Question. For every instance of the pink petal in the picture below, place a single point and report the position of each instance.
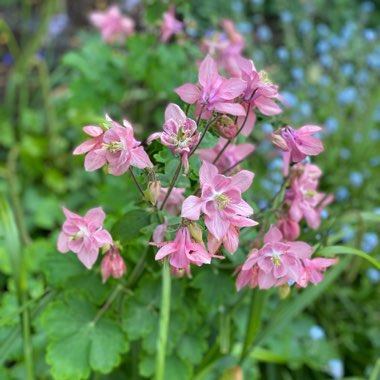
(69, 214)
(217, 225)
(300, 249)
(309, 129)
(267, 106)
(95, 217)
(243, 180)
(93, 130)
(154, 136)
(62, 243)
(242, 208)
(231, 241)
(95, 160)
(89, 257)
(102, 238)
(249, 123)
(208, 72)
(174, 112)
(231, 88)
(191, 207)
(310, 146)
(86, 146)
(230, 108)
(207, 173)
(165, 250)
(251, 260)
(213, 244)
(189, 93)
(274, 235)
(140, 159)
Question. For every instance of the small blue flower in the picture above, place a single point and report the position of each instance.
(356, 179)
(7, 59)
(291, 282)
(348, 30)
(335, 368)
(267, 128)
(58, 24)
(297, 73)
(376, 114)
(377, 211)
(286, 17)
(374, 161)
(331, 125)
(237, 6)
(289, 98)
(316, 332)
(244, 27)
(305, 26)
(324, 80)
(337, 42)
(342, 193)
(324, 214)
(326, 60)
(298, 53)
(257, 2)
(262, 204)
(367, 7)
(369, 34)
(322, 47)
(348, 233)
(348, 95)
(282, 53)
(305, 109)
(373, 60)
(345, 153)
(264, 33)
(347, 69)
(275, 164)
(362, 76)
(375, 134)
(323, 30)
(373, 275)
(370, 241)
(258, 55)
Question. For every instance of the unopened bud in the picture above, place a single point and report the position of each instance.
(195, 232)
(278, 140)
(284, 291)
(226, 127)
(152, 192)
(177, 272)
(113, 265)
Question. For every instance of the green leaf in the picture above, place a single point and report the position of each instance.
(78, 343)
(191, 348)
(342, 250)
(129, 226)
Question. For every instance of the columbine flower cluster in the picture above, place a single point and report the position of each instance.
(214, 212)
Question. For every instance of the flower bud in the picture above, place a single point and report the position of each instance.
(195, 232)
(289, 228)
(226, 127)
(152, 192)
(278, 140)
(113, 265)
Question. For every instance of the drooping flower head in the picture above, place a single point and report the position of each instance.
(276, 263)
(232, 155)
(220, 201)
(213, 92)
(84, 235)
(174, 202)
(313, 270)
(170, 25)
(116, 147)
(182, 251)
(113, 26)
(113, 264)
(180, 133)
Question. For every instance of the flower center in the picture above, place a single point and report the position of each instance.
(276, 260)
(264, 77)
(114, 146)
(222, 201)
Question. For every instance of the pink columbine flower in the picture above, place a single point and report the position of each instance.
(112, 265)
(276, 263)
(288, 227)
(174, 203)
(170, 25)
(84, 235)
(220, 201)
(296, 144)
(302, 197)
(180, 133)
(182, 251)
(112, 24)
(116, 147)
(231, 156)
(213, 92)
(313, 270)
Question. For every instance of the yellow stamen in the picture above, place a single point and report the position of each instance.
(222, 201)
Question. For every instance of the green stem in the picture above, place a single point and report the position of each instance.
(254, 320)
(203, 135)
(164, 322)
(136, 182)
(172, 183)
(108, 303)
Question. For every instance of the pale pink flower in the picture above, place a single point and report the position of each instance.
(276, 263)
(302, 197)
(297, 144)
(159, 232)
(113, 26)
(180, 133)
(231, 156)
(173, 204)
(170, 25)
(112, 265)
(213, 92)
(220, 201)
(182, 251)
(230, 241)
(313, 270)
(288, 227)
(84, 235)
(116, 147)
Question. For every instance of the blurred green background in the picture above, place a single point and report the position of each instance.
(56, 75)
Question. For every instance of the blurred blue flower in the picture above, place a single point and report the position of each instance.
(331, 125)
(324, 80)
(305, 26)
(262, 204)
(370, 241)
(356, 179)
(348, 30)
(282, 53)
(307, 159)
(129, 5)
(324, 214)
(257, 2)
(348, 95)
(237, 6)
(369, 34)
(291, 282)
(297, 73)
(376, 114)
(58, 24)
(289, 98)
(264, 33)
(305, 109)
(335, 368)
(362, 76)
(347, 69)
(342, 194)
(298, 53)
(258, 55)
(358, 137)
(276, 177)
(7, 59)
(322, 47)
(326, 60)
(244, 27)
(316, 332)
(377, 210)
(345, 153)
(374, 161)
(337, 42)
(275, 164)
(367, 6)
(373, 60)
(323, 30)
(373, 275)
(286, 16)
(375, 134)
(348, 233)
(267, 128)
